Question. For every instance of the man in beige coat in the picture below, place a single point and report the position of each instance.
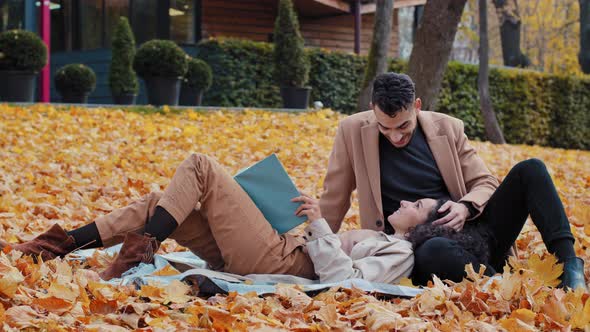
(355, 162)
(397, 152)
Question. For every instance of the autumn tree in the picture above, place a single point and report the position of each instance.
(378, 61)
(584, 55)
(550, 33)
(510, 28)
(432, 47)
(492, 128)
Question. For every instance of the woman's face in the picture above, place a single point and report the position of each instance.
(411, 214)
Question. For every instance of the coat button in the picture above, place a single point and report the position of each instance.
(379, 223)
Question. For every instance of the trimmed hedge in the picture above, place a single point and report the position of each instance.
(532, 107)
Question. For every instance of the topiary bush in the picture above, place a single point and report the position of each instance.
(22, 50)
(160, 58)
(75, 78)
(122, 79)
(199, 75)
(290, 60)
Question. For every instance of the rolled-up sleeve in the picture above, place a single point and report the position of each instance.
(388, 262)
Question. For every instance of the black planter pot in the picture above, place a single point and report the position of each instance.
(128, 99)
(294, 97)
(17, 86)
(190, 97)
(162, 90)
(69, 97)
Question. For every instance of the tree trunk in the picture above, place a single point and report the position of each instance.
(584, 56)
(432, 47)
(493, 131)
(378, 61)
(510, 26)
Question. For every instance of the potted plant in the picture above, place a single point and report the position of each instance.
(161, 64)
(197, 80)
(22, 55)
(74, 82)
(291, 62)
(122, 79)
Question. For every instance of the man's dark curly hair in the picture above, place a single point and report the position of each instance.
(469, 238)
(393, 92)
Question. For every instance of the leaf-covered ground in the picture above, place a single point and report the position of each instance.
(71, 165)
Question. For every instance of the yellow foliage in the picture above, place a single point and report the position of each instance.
(550, 33)
(72, 165)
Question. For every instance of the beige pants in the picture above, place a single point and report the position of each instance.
(217, 221)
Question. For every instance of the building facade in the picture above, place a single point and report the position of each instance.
(81, 30)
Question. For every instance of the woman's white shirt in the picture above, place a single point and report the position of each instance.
(380, 258)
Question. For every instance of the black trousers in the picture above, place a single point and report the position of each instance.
(527, 189)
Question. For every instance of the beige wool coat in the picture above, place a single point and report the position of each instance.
(354, 164)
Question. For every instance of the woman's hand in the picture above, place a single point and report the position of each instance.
(309, 208)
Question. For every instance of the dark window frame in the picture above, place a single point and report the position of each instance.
(163, 24)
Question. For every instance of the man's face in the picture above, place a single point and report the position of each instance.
(400, 128)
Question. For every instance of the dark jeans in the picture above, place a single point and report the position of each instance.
(527, 189)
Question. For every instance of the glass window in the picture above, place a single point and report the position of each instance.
(182, 23)
(61, 25)
(143, 20)
(90, 24)
(12, 14)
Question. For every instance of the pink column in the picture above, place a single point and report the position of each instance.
(45, 32)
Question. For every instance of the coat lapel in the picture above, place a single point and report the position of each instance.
(443, 154)
(370, 140)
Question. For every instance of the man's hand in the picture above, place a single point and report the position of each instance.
(310, 207)
(458, 213)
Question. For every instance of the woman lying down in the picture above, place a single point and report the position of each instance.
(205, 210)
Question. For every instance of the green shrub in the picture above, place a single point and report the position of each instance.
(335, 78)
(291, 62)
(570, 118)
(532, 107)
(122, 79)
(160, 58)
(75, 78)
(199, 75)
(22, 50)
(242, 76)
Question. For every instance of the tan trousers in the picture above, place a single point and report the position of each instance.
(217, 221)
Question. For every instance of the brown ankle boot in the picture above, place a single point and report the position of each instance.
(51, 244)
(136, 249)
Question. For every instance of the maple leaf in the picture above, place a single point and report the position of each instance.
(176, 292)
(22, 317)
(11, 279)
(53, 304)
(520, 320)
(546, 269)
(167, 270)
(98, 306)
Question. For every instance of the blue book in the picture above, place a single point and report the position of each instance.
(271, 189)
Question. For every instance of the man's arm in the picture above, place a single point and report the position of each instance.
(479, 181)
(338, 183)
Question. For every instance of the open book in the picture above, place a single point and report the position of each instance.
(270, 188)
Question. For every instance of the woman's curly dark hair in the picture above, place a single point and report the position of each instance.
(469, 238)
